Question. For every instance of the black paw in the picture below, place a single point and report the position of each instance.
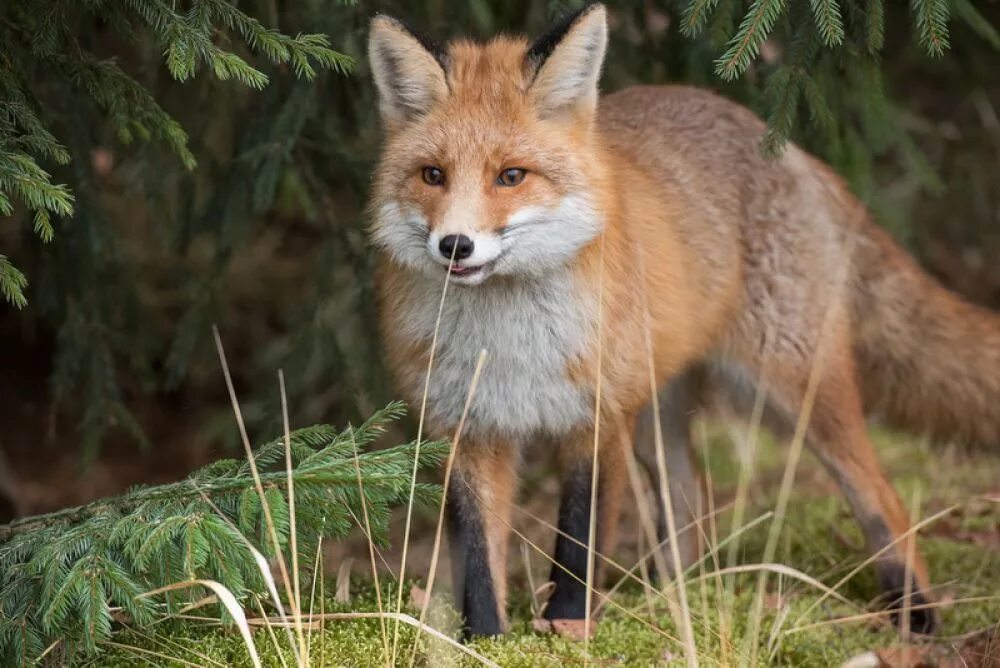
(923, 619)
(568, 601)
(481, 628)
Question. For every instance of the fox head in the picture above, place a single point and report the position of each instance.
(491, 164)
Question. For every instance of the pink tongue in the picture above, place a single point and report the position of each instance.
(455, 269)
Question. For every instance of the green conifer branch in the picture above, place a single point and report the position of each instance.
(786, 88)
(875, 25)
(63, 574)
(931, 17)
(828, 21)
(745, 44)
(12, 281)
(39, 33)
(694, 16)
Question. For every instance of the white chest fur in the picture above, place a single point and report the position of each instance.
(531, 332)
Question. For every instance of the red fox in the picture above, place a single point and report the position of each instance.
(599, 247)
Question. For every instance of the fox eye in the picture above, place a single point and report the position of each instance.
(433, 176)
(511, 177)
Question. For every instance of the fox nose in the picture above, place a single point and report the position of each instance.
(458, 245)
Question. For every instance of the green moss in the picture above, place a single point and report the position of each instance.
(819, 538)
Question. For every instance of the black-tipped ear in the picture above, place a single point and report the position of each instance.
(567, 61)
(409, 71)
(545, 44)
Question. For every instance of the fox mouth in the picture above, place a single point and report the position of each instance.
(463, 274)
(459, 270)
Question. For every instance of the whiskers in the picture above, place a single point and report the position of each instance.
(416, 230)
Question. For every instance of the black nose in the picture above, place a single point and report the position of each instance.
(458, 245)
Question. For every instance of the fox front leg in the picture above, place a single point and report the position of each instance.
(479, 500)
(569, 570)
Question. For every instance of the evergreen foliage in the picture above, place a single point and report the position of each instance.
(266, 235)
(71, 574)
(37, 38)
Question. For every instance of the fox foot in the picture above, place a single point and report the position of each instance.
(923, 617)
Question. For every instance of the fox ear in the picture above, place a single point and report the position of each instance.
(409, 72)
(567, 63)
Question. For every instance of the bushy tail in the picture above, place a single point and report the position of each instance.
(927, 359)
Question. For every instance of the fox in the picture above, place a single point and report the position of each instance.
(632, 255)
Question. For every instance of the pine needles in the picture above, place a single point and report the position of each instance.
(129, 287)
(70, 575)
(12, 282)
(37, 42)
(746, 43)
(930, 17)
(796, 28)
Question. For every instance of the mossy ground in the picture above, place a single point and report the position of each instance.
(819, 538)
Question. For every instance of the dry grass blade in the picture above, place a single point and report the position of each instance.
(405, 619)
(265, 506)
(262, 566)
(871, 559)
(416, 452)
(172, 644)
(48, 650)
(595, 463)
(142, 652)
(371, 551)
(687, 629)
(272, 586)
(883, 614)
(435, 553)
(228, 601)
(545, 555)
(646, 523)
(839, 284)
(910, 549)
(317, 576)
(749, 454)
(296, 602)
(343, 589)
(270, 632)
(386, 566)
(630, 573)
(780, 569)
(714, 545)
(536, 608)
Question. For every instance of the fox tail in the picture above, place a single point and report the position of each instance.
(927, 359)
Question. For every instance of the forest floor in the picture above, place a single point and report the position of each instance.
(793, 623)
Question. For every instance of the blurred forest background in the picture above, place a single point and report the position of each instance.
(108, 373)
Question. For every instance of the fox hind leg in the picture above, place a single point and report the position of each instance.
(837, 434)
(676, 408)
(884, 520)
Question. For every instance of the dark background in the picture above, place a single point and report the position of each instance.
(109, 376)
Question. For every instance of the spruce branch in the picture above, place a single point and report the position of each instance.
(64, 573)
(12, 281)
(694, 16)
(745, 44)
(931, 18)
(875, 25)
(40, 46)
(828, 21)
(787, 86)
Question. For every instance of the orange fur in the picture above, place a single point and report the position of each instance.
(708, 255)
(488, 473)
